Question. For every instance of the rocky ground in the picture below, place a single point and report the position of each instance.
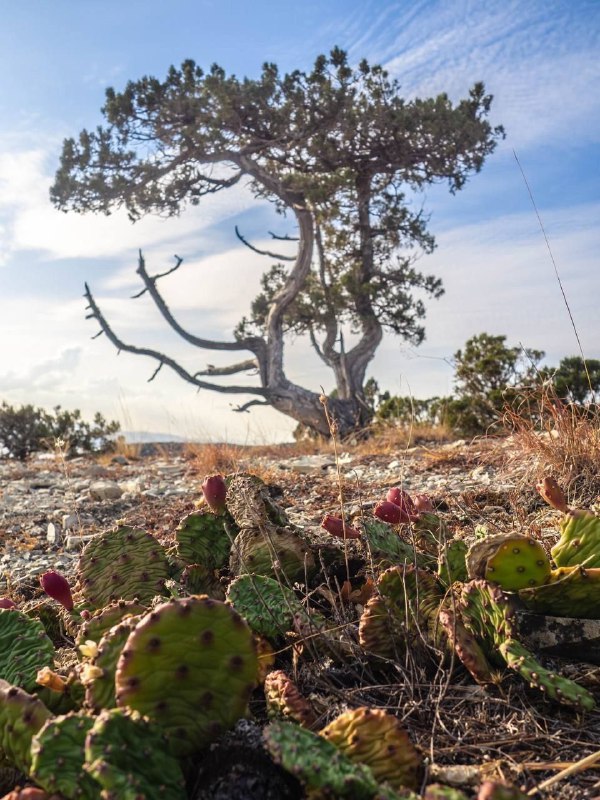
(50, 507)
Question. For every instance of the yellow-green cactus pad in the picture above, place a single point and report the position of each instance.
(21, 717)
(128, 757)
(190, 666)
(511, 560)
(100, 680)
(201, 538)
(24, 648)
(94, 628)
(126, 564)
(570, 592)
(377, 739)
(58, 756)
(579, 541)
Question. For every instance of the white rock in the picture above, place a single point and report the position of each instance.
(105, 490)
(69, 521)
(51, 536)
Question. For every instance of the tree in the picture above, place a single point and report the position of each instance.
(488, 376)
(575, 381)
(335, 149)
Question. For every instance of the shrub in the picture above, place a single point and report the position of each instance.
(27, 429)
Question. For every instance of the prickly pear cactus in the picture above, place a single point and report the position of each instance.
(372, 737)
(570, 592)
(250, 504)
(271, 551)
(436, 791)
(465, 645)
(387, 548)
(127, 756)
(267, 605)
(21, 717)
(488, 614)
(94, 628)
(126, 564)
(99, 677)
(190, 666)
(579, 542)
(399, 613)
(284, 700)
(197, 579)
(58, 755)
(431, 532)
(511, 560)
(318, 764)
(202, 538)
(452, 562)
(24, 648)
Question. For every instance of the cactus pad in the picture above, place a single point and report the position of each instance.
(198, 579)
(284, 699)
(452, 563)
(268, 606)
(372, 737)
(21, 717)
(570, 592)
(431, 532)
(24, 648)
(102, 621)
(436, 791)
(201, 538)
(100, 690)
(387, 548)
(579, 541)
(126, 563)
(511, 560)
(58, 755)
(126, 754)
(190, 665)
(318, 764)
(465, 646)
(271, 551)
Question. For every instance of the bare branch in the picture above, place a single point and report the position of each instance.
(278, 256)
(286, 238)
(249, 404)
(241, 366)
(161, 357)
(178, 263)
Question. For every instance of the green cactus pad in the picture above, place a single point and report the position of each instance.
(431, 533)
(250, 504)
(21, 717)
(267, 605)
(271, 551)
(399, 614)
(197, 579)
(511, 560)
(436, 791)
(561, 689)
(284, 700)
(128, 757)
(452, 562)
(201, 538)
(387, 548)
(579, 541)
(465, 645)
(102, 621)
(100, 692)
(376, 739)
(24, 648)
(126, 564)
(58, 755)
(318, 764)
(190, 665)
(570, 592)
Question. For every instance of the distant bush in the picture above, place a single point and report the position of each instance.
(28, 429)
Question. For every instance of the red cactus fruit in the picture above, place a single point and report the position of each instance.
(401, 498)
(57, 587)
(215, 491)
(336, 527)
(6, 602)
(390, 512)
(423, 504)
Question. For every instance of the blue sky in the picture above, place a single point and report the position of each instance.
(541, 60)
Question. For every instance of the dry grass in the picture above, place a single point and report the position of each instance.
(550, 437)
(387, 438)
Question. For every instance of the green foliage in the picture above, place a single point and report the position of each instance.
(26, 429)
(571, 382)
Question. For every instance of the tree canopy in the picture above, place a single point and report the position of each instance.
(336, 150)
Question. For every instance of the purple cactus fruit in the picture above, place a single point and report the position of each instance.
(423, 504)
(215, 490)
(336, 527)
(401, 498)
(57, 587)
(6, 602)
(390, 512)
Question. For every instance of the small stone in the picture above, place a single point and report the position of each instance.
(70, 521)
(51, 536)
(105, 490)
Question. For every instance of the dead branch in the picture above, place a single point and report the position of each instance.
(286, 238)
(162, 359)
(178, 263)
(249, 404)
(241, 366)
(278, 256)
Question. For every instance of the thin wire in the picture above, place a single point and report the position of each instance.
(537, 213)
